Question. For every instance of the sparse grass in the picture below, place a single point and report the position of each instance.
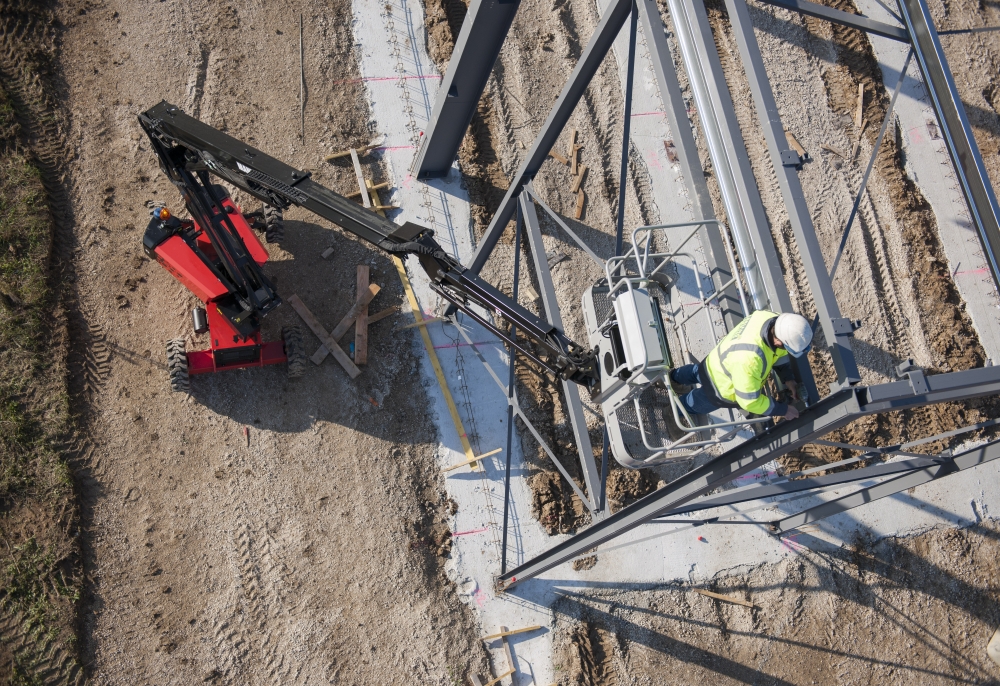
(39, 579)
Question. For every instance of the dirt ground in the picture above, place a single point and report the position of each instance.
(261, 530)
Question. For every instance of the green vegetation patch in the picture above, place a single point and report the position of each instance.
(39, 560)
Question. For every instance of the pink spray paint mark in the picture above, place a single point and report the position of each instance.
(648, 114)
(653, 160)
(916, 135)
(395, 147)
(408, 181)
(470, 532)
(982, 270)
(480, 597)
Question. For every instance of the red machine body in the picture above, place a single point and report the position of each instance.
(228, 347)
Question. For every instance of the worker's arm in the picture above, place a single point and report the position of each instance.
(748, 382)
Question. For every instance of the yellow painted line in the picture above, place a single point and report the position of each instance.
(470, 456)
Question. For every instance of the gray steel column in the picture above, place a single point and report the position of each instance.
(588, 64)
(958, 135)
(730, 162)
(687, 154)
(837, 330)
(831, 413)
(476, 51)
(571, 391)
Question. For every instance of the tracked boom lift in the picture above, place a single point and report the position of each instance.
(217, 256)
(631, 321)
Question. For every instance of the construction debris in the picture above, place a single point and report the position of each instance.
(422, 322)
(578, 181)
(326, 253)
(725, 598)
(793, 142)
(557, 157)
(555, 257)
(581, 200)
(328, 341)
(668, 145)
(361, 320)
(839, 153)
(342, 327)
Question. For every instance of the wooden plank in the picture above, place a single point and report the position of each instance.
(365, 200)
(345, 323)
(578, 181)
(477, 458)
(574, 160)
(379, 316)
(793, 142)
(377, 186)
(572, 144)
(859, 113)
(345, 153)
(557, 157)
(511, 633)
(668, 145)
(581, 200)
(857, 143)
(499, 678)
(361, 320)
(839, 153)
(328, 341)
(726, 598)
(507, 650)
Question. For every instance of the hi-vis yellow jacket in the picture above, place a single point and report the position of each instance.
(739, 365)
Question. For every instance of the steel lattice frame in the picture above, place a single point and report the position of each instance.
(755, 247)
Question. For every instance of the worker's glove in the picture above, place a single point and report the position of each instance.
(791, 413)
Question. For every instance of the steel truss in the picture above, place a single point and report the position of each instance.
(759, 266)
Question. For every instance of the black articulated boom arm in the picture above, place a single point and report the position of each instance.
(188, 147)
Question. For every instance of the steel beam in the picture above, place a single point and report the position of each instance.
(710, 235)
(571, 391)
(831, 413)
(588, 64)
(957, 133)
(838, 331)
(730, 162)
(967, 460)
(476, 51)
(855, 21)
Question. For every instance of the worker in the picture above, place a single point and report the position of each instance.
(734, 373)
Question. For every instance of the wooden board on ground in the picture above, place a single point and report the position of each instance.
(328, 341)
(472, 460)
(507, 649)
(362, 185)
(793, 142)
(578, 181)
(361, 320)
(581, 200)
(345, 324)
(502, 633)
(859, 113)
(726, 598)
(557, 157)
(345, 153)
(379, 316)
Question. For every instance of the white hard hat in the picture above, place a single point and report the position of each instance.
(794, 332)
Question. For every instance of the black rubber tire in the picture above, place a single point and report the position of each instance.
(295, 351)
(177, 366)
(274, 224)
